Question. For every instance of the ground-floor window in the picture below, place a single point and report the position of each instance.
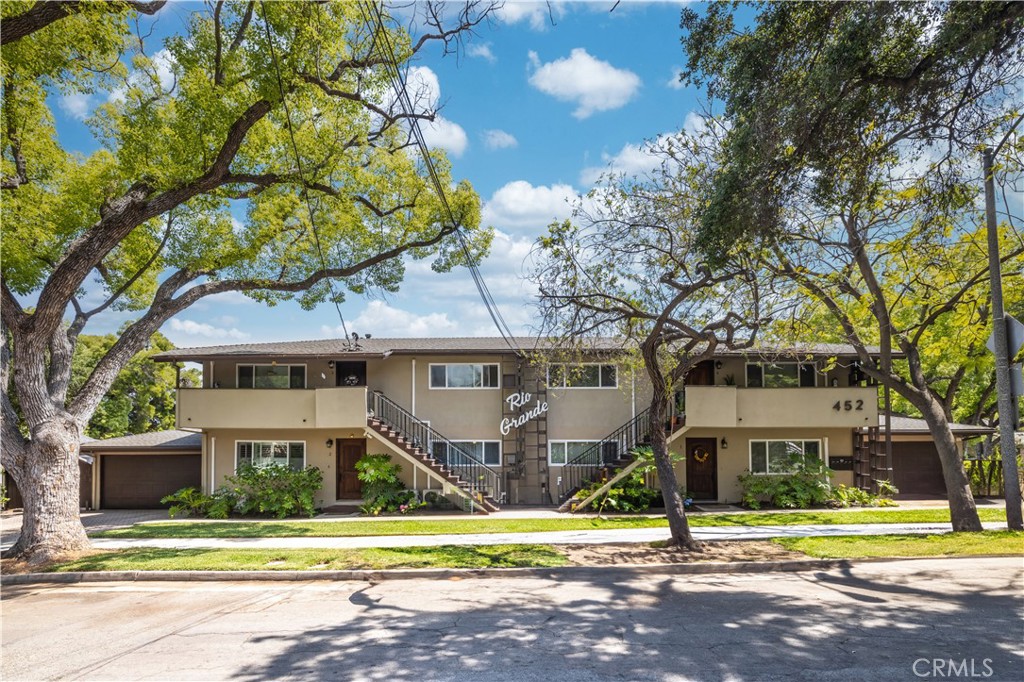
(486, 451)
(262, 452)
(781, 456)
(562, 452)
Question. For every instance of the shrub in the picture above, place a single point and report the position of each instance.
(807, 486)
(188, 502)
(631, 494)
(843, 496)
(383, 490)
(273, 490)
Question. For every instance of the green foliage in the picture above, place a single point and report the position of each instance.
(272, 490)
(845, 496)
(142, 397)
(807, 486)
(383, 490)
(630, 495)
(814, 89)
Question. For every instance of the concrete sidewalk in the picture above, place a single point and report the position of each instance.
(576, 537)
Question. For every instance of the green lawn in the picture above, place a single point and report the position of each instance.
(421, 526)
(448, 556)
(947, 544)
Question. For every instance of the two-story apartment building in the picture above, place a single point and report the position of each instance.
(470, 414)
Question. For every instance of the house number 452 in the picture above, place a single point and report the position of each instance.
(847, 405)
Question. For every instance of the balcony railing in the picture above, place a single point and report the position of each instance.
(477, 476)
(584, 467)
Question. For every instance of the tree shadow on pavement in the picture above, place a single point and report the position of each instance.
(609, 626)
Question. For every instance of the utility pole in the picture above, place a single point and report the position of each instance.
(1007, 408)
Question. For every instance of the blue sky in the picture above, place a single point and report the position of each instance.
(542, 101)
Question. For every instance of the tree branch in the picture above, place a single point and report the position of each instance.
(43, 13)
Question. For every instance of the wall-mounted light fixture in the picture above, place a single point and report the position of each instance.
(718, 364)
(835, 382)
(330, 364)
(330, 442)
(725, 443)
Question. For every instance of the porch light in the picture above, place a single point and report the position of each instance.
(330, 442)
(718, 364)
(725, 443)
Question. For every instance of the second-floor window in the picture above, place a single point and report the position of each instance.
(271, 376)
(781, 374)
(464, 375)
(582, 376)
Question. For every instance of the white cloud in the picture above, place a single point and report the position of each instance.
(498, 139)
(201, 329)
(521, 207)
(673, 81)
(632, 159)
(483, 51)
(77, 105)
(425, 92)
(537, 14)
(445, 134)
(594, 85)
(381, 319)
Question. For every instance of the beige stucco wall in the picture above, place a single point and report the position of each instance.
(735, 459)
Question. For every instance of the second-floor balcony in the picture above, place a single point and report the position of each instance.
(730, 406)
(247, 408)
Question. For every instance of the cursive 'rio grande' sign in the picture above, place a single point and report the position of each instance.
(517, 401)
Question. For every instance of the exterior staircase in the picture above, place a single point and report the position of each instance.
(614, 451)
(477, 484)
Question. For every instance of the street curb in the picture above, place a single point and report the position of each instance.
(562, 572)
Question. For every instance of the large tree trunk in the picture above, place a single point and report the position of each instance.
(678, 526)
(49, 485)
(963, 514)
(962, 511)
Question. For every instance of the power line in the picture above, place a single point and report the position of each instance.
(402, 94)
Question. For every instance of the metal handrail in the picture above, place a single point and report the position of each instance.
(477, 476)
(582, 469)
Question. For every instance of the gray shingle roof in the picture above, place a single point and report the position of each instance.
(337, 348)
(157, 440)
(904, 424)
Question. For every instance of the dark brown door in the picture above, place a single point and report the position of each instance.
(350, 451)
(701, 375)
(139, 481)
(702, 468)
(916, 469)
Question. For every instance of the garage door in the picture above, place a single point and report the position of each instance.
(139, 481)
(916, 469)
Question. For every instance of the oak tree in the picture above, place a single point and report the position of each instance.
(261, 151)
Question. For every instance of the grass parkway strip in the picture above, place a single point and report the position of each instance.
(532, 556)
(362, 528)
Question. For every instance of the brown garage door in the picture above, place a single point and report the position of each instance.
(139, 481)
(916, 469)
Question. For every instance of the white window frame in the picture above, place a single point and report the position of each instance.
(565, 373)
(762, 364)
(432, 387)
(289, 365)
(272, 442)
(822, 452)
(551, 462)
(483, 454)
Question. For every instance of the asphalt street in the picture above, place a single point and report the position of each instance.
(874, 621)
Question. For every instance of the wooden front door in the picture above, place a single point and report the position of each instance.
(350, 451)
(702, 468)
